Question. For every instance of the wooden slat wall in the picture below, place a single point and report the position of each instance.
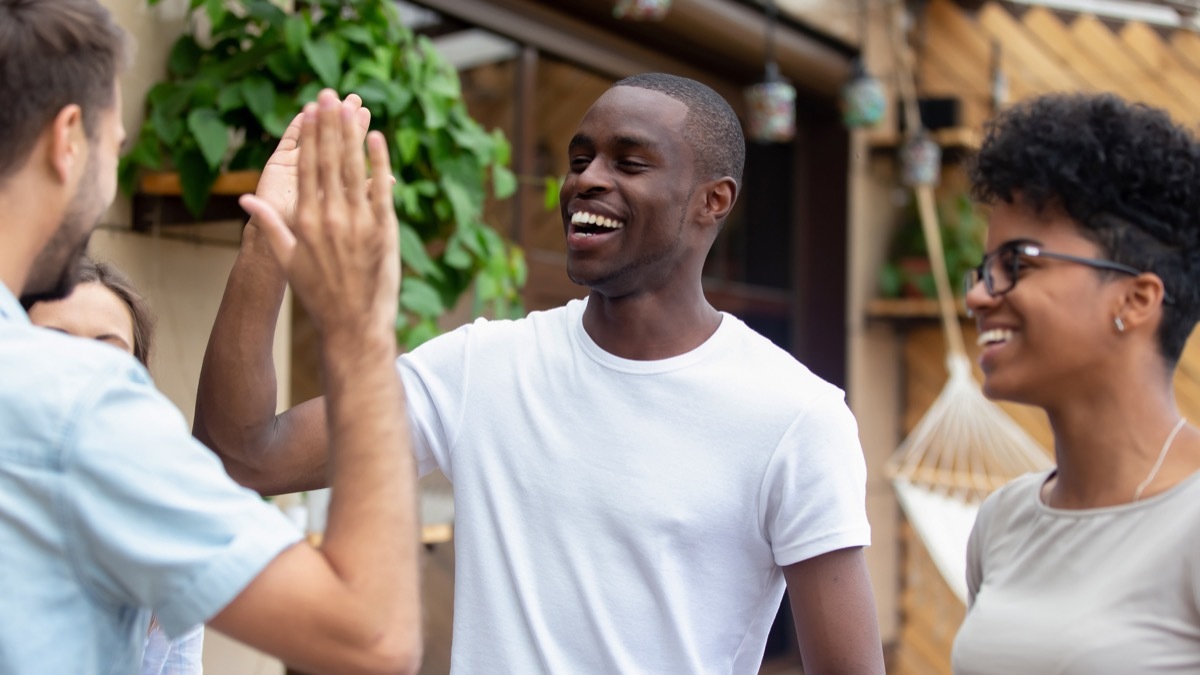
(1041, 52)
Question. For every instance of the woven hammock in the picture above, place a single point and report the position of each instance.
(964, 446)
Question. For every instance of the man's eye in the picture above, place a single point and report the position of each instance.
(580, 163)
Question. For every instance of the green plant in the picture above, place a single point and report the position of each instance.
(230, 93)
(908, 272)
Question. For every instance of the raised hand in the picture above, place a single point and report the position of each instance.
(277, 184)
(340, 251)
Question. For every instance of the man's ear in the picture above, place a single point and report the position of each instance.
(719, 197)
(67, 142)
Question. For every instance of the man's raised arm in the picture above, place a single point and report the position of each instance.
(236, 399)
(351, 606)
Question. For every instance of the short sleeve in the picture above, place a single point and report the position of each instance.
(814, 490)
(435, 383)
(154, 520)
(976, 546)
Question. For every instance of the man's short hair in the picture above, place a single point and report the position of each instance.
(711, 126)
(53, 53)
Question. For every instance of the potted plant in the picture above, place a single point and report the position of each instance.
(246, 67)
(908, 272)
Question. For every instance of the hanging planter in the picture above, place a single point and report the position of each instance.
(642, 10)
(772, 102)
(772, 109)
(920, 160)
(863, 98)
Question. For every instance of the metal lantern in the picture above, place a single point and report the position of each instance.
(772, 109)
(863, 98)
(920, 160)
(642, 10)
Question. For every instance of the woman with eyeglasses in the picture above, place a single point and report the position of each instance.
(1084, 301)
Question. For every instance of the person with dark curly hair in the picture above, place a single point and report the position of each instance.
(1084, 303)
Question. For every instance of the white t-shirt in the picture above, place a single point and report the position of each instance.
(618, 516)
(1083, 592)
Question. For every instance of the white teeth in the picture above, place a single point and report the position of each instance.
(994, 336)
(585, 218)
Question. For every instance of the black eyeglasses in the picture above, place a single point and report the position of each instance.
(1000, 269)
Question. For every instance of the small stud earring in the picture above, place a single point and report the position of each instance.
(1120, 324)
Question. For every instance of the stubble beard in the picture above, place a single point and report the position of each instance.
(55, 271)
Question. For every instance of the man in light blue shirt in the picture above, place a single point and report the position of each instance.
(109, 509)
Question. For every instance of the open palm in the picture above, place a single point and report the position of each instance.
(277, 184)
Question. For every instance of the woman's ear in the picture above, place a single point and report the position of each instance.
(1143, 300)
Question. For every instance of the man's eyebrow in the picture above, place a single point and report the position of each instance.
(639, 142)
(580, 139)
(624, 142)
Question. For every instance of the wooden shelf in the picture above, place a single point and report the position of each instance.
(167, 183)
(910, 308)
(950, 139)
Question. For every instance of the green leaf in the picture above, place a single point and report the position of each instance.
(276, 122)
(408, 142)
(284, 66)
(216, 11)
(374, 94)
(463, 207)
(552, 187)
(501, 147)
(260, 97)
(413, 253)
(420, 298)
(421, 333)
(168, 127)
(229, 98)
(323, 58)
(211, 135)
(295, 33)
(265, 11)
(504, 182)
(456, 255)
(355, 33)
(196, 177)
(308, 93)
(184, 57)
(434, 109)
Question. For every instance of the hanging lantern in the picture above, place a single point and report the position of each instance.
(863, 98)
(642, 10)
(772, 109)
(772, 102)
(920, 160)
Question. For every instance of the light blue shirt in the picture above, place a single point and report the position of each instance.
(109, 509)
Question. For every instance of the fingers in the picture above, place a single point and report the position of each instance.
(382, 180)
(280, 239)
(307, 202)
(329, 152)
(361, 115)
(291, 135)
(354, 175)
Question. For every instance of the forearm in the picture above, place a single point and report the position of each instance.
(236, 398)
(371, 535)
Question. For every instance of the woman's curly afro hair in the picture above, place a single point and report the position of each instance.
(1124, 171)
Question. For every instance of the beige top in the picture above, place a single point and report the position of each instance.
(1083, 592)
